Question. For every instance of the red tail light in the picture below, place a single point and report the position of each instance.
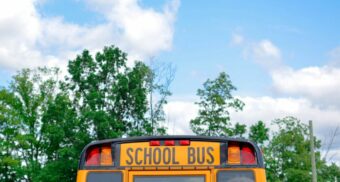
(184, 142)
(248, 155)
(155, 143)
(169, 142)
(93, 156)
(99, 156)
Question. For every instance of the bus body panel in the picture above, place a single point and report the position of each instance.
(82, 174)
(259, 173)
(151, 158)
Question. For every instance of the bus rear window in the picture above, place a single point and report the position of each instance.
(235, 176)
(104, 177)
(169, 179)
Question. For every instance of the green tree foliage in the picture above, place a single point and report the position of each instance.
(259, 133)
(215, 102)
(288, 154)
(110, 96)
(27, 100)
(45, 122)
(329, 172)
(9, 124)
(63, 137)
(140, 124)
(239, 130)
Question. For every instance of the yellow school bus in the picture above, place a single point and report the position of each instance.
(171, 159)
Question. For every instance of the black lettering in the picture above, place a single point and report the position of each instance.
(200, 157)
(157, 157)
(174, 156)
(191, 155)
(138, 162)
(147, 155)
(209, 152)
(128, 152)
(166, 156)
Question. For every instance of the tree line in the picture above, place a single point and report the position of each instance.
(286, 151)
(46, 118)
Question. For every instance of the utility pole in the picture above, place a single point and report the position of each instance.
(311, 137)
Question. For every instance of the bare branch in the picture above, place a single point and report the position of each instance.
(333, 135)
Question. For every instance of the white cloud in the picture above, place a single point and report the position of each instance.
(261, 108)
(266, 49)
(30, 40)
(264, 108)
(18, 33)
(237, 39)
(268, 108)
(179, 114)
(319, 84)
(306, 93)
(263, 52)
(141, 30)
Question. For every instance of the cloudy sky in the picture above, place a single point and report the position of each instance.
(284, 57)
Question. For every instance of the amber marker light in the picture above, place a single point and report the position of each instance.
(234, 156)
(105, 156)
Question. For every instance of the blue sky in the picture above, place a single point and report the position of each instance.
(284, 57)
(304, 31)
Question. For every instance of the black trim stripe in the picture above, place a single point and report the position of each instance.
(223, 153)
(117, 157)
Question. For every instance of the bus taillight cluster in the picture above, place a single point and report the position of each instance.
(241, 153)
(99, 156)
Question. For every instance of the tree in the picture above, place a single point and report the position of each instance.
(25, 102)
(45, 122)
(288, 154)
(215, 102)
(9, 158)
(97, 84)
(63, 137)
(138, 87)
(159, 79)
(329, 172)
(259, 133)
(239, 130)
(110, 96)
(39, 126)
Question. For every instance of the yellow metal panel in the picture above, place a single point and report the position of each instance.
(259, 173)
(82, 174)
(198, 153)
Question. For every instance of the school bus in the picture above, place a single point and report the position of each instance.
(171, 159)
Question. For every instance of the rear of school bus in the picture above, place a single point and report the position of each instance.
(171, 159)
